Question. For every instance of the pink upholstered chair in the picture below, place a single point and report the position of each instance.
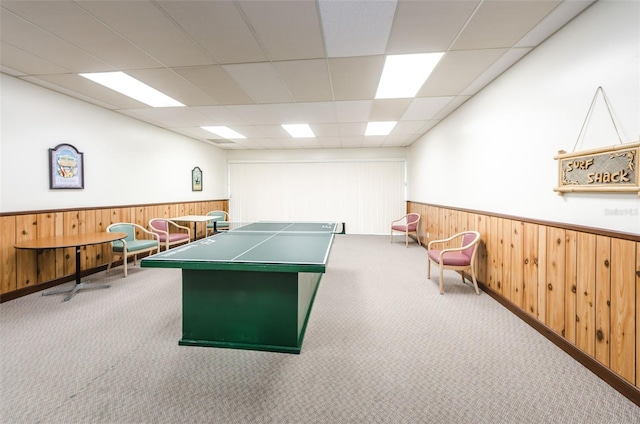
(167, 231)
(408, 224)
(459, 259)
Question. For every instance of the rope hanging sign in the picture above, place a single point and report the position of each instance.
(605, 169)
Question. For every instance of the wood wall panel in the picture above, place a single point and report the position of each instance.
(570, 287)
(530, 269)
(541, 284)
(603, 300)
(623, 311)
(582, 285)
(516, 264)
(7, 254)
(555, 282)
(586, 288)
(637, 280)
(22, 269)
(481, 256)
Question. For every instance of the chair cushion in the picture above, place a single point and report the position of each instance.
(402, 228)
(177, 237)
(450, 258)
(135, 245)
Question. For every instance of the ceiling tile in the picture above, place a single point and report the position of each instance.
(458, 69)
(428, 26)
(353, 111)
(355, 78)
(27, 63)
(217, 83)
(260, 81)
(219, 28)
(499, 24)
(326, 130)
(356, 27)
(503, 63)
(425, 108)
(553, 22)
(42, 44)
(146, 25)
(388, 109)
(275, 22)
(307, 80)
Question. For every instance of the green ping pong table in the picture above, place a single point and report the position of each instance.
(251, 287)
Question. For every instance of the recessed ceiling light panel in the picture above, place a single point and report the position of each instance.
(403, 75)
(131, 87)
(299, 130)
(224, 132)
(380, 128)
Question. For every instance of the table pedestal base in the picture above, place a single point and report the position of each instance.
(252, 310)
(76, 287)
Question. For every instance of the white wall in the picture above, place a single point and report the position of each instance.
(495, 153)
(126, 161)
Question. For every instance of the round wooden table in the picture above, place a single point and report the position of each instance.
(76, 241)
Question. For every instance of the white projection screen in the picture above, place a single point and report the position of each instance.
(366, 195)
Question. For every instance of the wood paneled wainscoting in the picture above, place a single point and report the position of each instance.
(28, 271)
(578, 286)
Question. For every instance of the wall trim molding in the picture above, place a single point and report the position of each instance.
(563, 225)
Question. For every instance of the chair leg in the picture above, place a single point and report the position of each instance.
(391, 236)
(406, 239)
(418, 237)
(473, 277)
(441, 278)
(428, 268)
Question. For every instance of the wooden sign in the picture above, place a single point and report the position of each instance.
(606, 169)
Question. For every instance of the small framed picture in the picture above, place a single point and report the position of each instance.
(66, 167)
(196, 179)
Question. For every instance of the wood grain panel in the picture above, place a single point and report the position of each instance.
(27, 260)
(516, 263)
(603, 300)
(91, 225)
(71, 225)
(637, 280)
(493, 253)
(555, 282)
(481, 227)
(586, 293)
(542, 273)
(46, 227)
(8, 281)
(505, 256)
(623, 308)
(530, 269)
(571, 245)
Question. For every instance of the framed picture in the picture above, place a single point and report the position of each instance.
(196, 179)
(66, 167)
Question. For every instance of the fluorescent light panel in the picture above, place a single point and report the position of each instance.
(403, 75)
(131, 87)
(299, 130)
(224, 132)
(380, 128)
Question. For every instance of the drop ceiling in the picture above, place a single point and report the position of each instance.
(255, 65)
